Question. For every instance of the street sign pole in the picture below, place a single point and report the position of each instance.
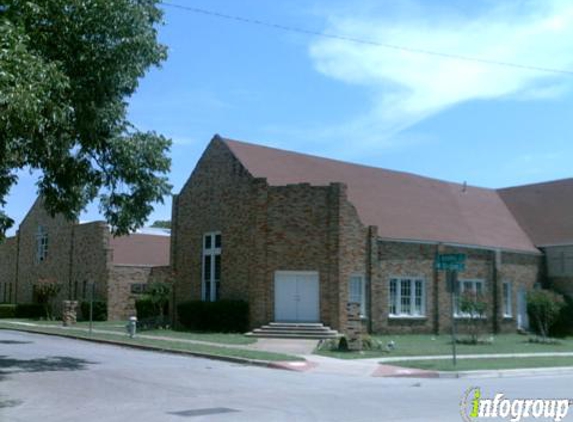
(453, 280)
(92, 291)
(451, 264)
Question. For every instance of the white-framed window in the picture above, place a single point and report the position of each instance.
(407, 297)
(41, 244)
(476, 287)
(211, 276)
(357, 292)
(507, 299)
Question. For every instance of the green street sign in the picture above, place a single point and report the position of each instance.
(451, 262)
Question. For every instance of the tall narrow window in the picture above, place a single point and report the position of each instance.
(357, 292)
(407, 297)
(507, 299)
(211, 267)
(41, 244)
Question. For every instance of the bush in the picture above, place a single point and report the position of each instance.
(45, 292)
(544, 307)
(7, 310)
(159, 293)
(228, 316)
(145, 308)
(474, 305)
(563, 326)
(30, 310)
(99, 310)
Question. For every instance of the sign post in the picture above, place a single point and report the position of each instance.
(92, 294)
(451, 264)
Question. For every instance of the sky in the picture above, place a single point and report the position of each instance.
(379, 102)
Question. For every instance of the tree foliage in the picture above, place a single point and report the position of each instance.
(45, 293)
(67, 68)
(161, 224)
(544, 307)
(474, 306)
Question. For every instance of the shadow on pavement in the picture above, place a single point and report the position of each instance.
(9, 403)
(10, 365)
(15, 342)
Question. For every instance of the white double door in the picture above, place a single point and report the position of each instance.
(296, 296)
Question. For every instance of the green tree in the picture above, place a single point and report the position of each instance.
(161, 224)
(474, 306)
(45, 293)
(159, 294)
(67, 68)
(544, 307)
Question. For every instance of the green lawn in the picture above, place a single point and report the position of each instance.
(428, 345)
(488, 364)
(119, 326)
(166, 345)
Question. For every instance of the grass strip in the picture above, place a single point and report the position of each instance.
(119, 327)
(488, 363)
(432, 345)
(163, 345)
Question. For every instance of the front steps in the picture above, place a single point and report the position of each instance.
(295, 330)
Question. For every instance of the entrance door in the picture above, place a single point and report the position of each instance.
(522, 318)
(296, 296)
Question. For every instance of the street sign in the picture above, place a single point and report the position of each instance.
(451, 262)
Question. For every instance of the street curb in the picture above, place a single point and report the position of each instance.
(232, 359)
(508, 373)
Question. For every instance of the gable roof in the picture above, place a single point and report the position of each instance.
(403, 206)
(544, 210)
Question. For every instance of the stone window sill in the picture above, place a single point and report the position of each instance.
(468, 317)
(408, 317)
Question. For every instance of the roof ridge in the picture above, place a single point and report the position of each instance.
(228, 141)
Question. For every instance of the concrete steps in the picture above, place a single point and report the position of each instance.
(294, 330)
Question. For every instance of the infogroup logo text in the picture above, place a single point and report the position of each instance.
(475, 407)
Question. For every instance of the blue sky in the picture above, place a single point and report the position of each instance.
(491, 126)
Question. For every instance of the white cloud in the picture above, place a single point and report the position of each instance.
(407, 87)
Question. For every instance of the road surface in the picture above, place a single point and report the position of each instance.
(51, 379)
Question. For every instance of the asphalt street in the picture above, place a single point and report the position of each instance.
(47, 379)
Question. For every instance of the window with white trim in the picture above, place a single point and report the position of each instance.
(475, 287)
(211, 267)
(41, 244)
(507, 299)
(357, 292)
(407, 297)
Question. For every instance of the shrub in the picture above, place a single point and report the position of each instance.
(145, 308)
(343, 345)
(221, 316)
(544, 307)
(45, 293)
(99, 310)
(159, 293)
(474, 305)
(30, 310)
(7, 310)
(563, 326)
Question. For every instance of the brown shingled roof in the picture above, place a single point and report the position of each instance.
(544, 210)
(141, 249)
(404, 206)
